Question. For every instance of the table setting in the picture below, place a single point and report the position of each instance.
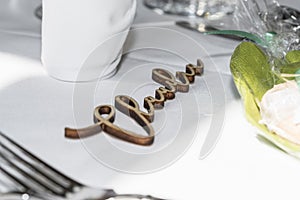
(149, 99)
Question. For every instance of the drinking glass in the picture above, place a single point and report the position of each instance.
(212, 9)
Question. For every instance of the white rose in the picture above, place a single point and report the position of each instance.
(280, 110)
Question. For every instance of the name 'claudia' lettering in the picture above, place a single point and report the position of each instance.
(130, 107)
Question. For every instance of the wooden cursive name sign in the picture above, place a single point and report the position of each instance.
(130, 107)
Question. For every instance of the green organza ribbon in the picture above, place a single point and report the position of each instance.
(263, 42)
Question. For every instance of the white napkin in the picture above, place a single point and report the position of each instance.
(18, 68)
(18, 17)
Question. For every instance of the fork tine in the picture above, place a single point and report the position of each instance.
(37, 170)
(15, 179)
(31, 177)
(68, 186)
(26, 152)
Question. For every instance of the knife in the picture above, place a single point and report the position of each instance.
(204, 28)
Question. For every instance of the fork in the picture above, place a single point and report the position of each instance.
(34, 178)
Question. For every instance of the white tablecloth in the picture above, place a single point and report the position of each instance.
(35, 108)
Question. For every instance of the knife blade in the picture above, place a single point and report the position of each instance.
(203, 28)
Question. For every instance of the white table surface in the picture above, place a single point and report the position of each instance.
(35, 108)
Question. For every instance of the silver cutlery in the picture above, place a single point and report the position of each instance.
(200, 27)
(35, 179)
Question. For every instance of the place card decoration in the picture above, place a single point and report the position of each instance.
(266, 71)
(131, 108)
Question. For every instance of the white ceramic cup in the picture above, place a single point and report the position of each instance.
(82, 40)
